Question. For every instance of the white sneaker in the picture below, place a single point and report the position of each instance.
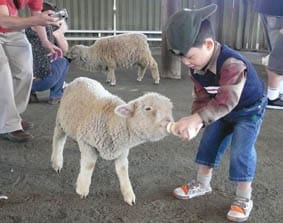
(65, 84)
(191, 190)
(3, 197)
(240, 210)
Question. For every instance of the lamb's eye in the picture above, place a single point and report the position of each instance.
(148, 108)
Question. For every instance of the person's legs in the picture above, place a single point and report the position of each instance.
(15, 79)
(215, 140)
(243, 159)
(274, 38)
(275, 75)
(54, 81)
(20, 60)
(60, 67)
(10, 119)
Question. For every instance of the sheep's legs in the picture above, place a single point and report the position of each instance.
(121, 165)
(59, 139)
(141, 72)
(154, 71)
(111, 77)
(88, 160)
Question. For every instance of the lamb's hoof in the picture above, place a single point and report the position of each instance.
(82, 191)
(139, 79)
(112, 84)
(130, 199)
(57, 167)
(156, 82)
(83, 196)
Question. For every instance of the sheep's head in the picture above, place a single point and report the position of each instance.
(78, 53)
(148, 115)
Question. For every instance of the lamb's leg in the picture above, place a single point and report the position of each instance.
(111, 77)
(59, 139)
(121, 165)
(154, 70)
(141, 72)
(108, 78)
(88, 160)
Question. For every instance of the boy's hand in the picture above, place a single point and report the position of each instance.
(188, 127)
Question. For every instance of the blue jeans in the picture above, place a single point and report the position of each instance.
(239, 129)
(54, 81)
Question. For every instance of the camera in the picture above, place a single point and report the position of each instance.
(62, 14)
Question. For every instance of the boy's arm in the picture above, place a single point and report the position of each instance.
(232, 81)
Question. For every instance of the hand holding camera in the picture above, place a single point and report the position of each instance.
(62, 14)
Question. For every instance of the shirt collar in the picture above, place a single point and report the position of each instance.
(212, 63)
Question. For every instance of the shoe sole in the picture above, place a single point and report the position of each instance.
(237, 219)
(27, 127)
(274, 107)
(16, 140)
(189, 197)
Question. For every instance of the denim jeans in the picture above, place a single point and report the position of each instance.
(54, 81)
(239, 129)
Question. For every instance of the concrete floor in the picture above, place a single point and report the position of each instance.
(37, 194)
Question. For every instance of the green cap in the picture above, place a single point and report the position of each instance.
(183, 28)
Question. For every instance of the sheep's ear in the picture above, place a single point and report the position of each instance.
(125, 111)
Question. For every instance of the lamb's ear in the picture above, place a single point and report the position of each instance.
(125, 110)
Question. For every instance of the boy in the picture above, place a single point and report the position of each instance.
(229, 102)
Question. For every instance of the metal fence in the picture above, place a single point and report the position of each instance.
(235, 22)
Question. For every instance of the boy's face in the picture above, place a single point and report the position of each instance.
(198, 57)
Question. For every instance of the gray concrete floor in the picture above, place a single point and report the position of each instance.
(37, 194)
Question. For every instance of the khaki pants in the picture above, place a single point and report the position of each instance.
(16, 75)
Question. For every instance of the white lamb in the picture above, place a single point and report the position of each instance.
(105, 125)
(110, 53)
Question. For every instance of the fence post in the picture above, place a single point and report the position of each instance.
(170, 65)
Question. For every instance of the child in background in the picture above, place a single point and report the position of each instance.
(229, 102)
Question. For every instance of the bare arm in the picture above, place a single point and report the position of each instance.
(18, 23)
(42, 33)
(60, 37)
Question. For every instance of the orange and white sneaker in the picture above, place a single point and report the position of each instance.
(191, 190)
(240, 210)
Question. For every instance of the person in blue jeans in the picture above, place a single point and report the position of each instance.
(229, 102)
(49, 71)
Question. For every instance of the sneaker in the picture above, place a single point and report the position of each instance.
(65, 84)
(240, 210)
(191, 190)
(3, 197)
(17, 136)
(26, 125)
(275, 104)
(53, 101)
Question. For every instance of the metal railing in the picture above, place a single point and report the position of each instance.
(92, 35)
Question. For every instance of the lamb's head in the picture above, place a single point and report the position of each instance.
(147, 116)
(78, 53)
